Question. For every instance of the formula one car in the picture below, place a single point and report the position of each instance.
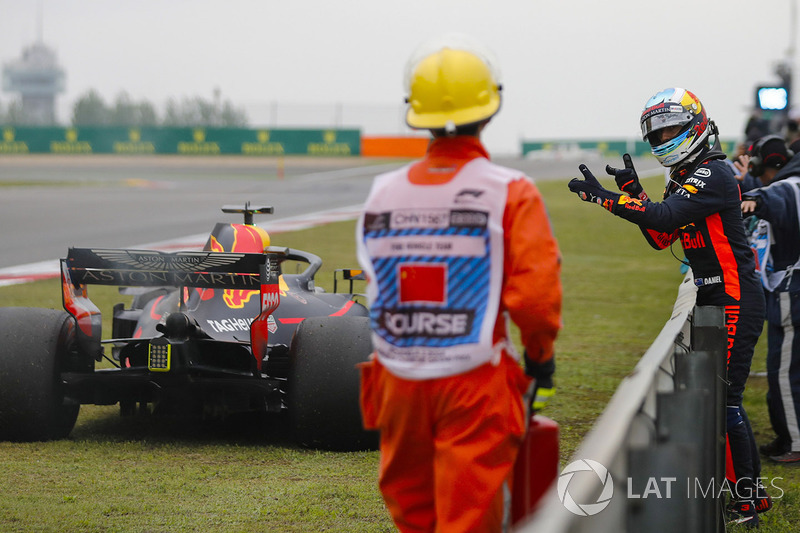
(223, 330)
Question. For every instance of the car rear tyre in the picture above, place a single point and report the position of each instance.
(34, 343)
(324, 383)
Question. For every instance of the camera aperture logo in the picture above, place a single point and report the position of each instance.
(603, 477)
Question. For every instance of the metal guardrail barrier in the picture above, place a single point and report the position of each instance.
(654, 460)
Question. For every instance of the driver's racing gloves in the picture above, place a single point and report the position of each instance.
(627, 179)
(590, 190)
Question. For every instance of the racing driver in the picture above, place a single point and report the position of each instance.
(452, 246)
(701, 207)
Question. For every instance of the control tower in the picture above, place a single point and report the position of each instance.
(38, 78)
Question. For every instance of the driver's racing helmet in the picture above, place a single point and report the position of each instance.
(450, 82)
(675, 107)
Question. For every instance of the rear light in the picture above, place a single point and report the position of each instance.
(159, 355)
(348, 274)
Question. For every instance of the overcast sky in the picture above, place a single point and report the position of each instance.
(570, 69)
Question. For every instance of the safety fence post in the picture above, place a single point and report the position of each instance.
(696, 423)
(710, 335)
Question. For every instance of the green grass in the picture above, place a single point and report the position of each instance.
(153, 475)
(147, 474)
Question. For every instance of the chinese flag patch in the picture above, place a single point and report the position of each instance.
(423, 282)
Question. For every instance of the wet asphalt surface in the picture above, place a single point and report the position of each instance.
(49, 203)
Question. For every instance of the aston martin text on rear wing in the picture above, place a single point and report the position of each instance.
(147, 268)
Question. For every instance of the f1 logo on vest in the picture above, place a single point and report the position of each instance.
(422, 283)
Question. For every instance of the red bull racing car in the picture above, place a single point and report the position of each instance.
(224, 330)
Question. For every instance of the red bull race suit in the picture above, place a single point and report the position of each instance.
(702, 209)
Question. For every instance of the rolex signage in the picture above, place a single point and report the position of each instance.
(198, 141)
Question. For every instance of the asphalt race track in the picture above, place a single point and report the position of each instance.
(49, 203)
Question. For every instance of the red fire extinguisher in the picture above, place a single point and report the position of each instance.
(536, 466)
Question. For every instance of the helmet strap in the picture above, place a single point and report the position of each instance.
(713, 130)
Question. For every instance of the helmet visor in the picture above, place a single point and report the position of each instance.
(675, 144)
(664, 120)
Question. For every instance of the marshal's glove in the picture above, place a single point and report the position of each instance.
(543, 387)
(590, 190)
(627, 179)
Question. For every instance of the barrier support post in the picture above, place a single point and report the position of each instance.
(709, 334)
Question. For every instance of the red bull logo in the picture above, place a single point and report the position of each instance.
(238, 238)
(690, 242)
(236, 298)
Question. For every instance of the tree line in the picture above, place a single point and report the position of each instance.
(90, 109)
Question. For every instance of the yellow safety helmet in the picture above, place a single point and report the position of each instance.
(451, 86)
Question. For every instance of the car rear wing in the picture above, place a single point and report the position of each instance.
(148, 268)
